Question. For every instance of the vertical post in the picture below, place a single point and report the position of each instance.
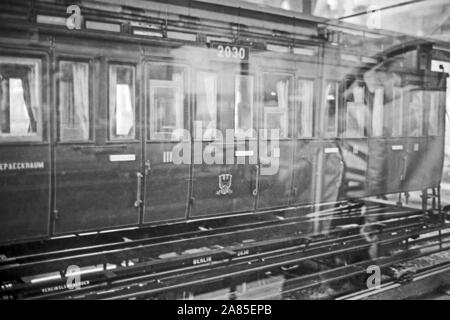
(424, 200)
(441, 215)
(434, 199)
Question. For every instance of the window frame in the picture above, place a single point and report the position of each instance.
(237, 134)
(89, 62)
(412, 92)
(37, 62)
(297, 102)
(217, 102)
(135, 99)
(433, 95)
(186, 107)
(383, 116)
(401, 114)
(366, 113)
(324, 108)
(291, 102)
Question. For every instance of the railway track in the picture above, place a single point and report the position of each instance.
(427, 283)
(15, 260)
(192, 260)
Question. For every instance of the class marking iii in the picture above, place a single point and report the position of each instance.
(167, 157)
(19, 166)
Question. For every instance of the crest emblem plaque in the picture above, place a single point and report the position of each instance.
(225, 184)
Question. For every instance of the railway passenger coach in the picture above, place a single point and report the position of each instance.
(93, 121)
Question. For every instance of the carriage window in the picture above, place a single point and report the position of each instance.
(378, 112)
(243, 105)
(19, 98)
(433, 117)
(74, 101)
(276, 103)
(304, 117)
(415, 114)
(397, 113)
(166, 103)
(121, 102)
(206, 104)
(331, 109)
(356, 111)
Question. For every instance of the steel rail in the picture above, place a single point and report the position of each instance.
(392, 287)
(129, 250)
(183, 281)
(255, 250)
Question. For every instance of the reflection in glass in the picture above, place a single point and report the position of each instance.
(356, 112)
(121, 102)
(397, 113)
(243, 106)
(276, 102)
(74, 101)
(207, 103)
(415, 114)
(378, 112)
(305, 111)
(331, 109)
(19, 97)
(433, 118)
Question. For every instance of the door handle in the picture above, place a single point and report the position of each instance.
(255, 190)
(138, 202)
(403, 172)
(148, 167)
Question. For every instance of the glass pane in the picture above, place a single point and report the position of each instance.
(121, 102)
(206, 104)
(166, 101)
(74, 101)
(378, 112)
(305, 111)
(433, 119)
(276, 102)
(243, 106)
(19, 97)
(397, 113)
(356, 111)
(331, 105)
(415, 114)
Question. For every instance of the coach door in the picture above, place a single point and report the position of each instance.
(24, 147)
(330, 165)
(276, 145)
(167, 145)
(305, 149)
(396, 155)
(424, 127)
(416, 143)
(97, 152)
(355, 149)
(225, 146)
(432, 155)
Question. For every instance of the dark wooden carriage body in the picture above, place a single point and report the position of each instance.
(64, 177)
